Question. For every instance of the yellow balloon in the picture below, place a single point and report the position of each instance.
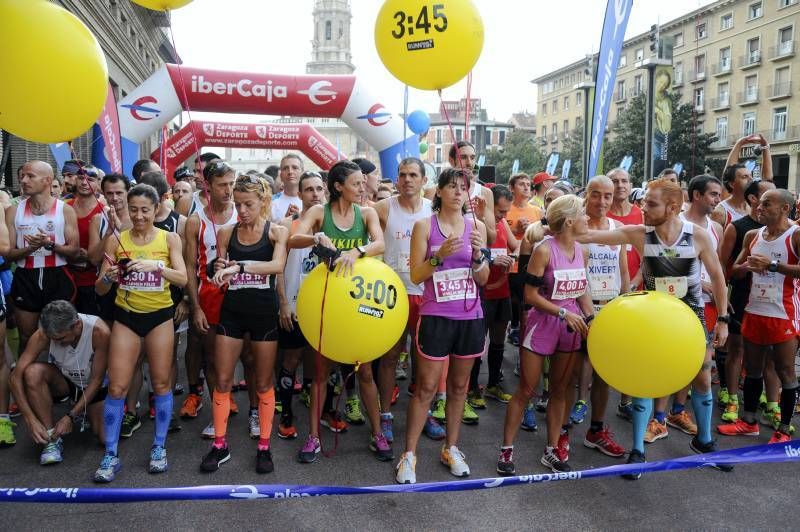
(647, 344)
(364, 314)
(161, 5)
(426, 44)
(56, 73)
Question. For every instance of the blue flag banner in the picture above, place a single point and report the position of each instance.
(552, 162)
(626, 163)
(514, 166)
(61, 154)
(758, 454)
(565, 169)
(481, 160)
(616, 21)
(678, 167)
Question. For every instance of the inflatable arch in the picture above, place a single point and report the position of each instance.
(173, 88)
(196, 134)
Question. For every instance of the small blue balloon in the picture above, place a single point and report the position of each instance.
(419, 122)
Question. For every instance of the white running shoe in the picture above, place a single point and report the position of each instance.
(255, 428)
(406, 469)
(208, 432)
(454, 459)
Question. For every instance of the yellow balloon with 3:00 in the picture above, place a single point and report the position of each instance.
(161, 5)
(429, 44)
(364, 313)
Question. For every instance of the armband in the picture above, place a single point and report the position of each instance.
(534, 280)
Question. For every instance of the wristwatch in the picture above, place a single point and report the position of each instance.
(723, 319)
(362, 251)
(241, 268)
(773, 266)
(50, 246)
(562, 313)
(434, 261)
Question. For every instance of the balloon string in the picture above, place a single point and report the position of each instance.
(405, 121)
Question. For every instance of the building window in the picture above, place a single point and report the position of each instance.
(699, 66)
(555, 131)
(544, 109)
(748, 123)
(578, 122)
(779, 120)
(754, 10)
(578, 98)
(639, 54)
(782, 82)
(678, 40)
(726, 22)
(785, 41)
(327, 30)
(786, 3)
(544, 132)
(566, 103)
(722, 130)
(566, 128)
(753, 50)
(502, 139)
(620, 90)
(459, 134)
(698, 98)
(472, 136)
(725, 59)
(677, 73)
(623, 61)
(555, 106)
(341, 30)
(438, 136)
(638, 88)
(701, 31)
(723, 94)
(751, 88)
(438, 155)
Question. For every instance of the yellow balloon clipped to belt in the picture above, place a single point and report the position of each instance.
(161, 5)
(364, 315)
(429, 44)
(647, 344)
(55, 73)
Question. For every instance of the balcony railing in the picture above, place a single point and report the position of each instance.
(780, 90)
(782, 51)
(721, 69)
(747, 97)
(696, 76)
(721, 103)
(750, 59)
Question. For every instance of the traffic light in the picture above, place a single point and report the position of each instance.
(655, 36)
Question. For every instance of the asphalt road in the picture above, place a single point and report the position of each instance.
(753, 496)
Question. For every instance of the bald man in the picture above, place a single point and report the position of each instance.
(43, 233)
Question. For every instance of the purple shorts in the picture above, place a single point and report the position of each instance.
(546, 334)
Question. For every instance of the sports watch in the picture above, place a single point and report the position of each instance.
(434, 261)
(562, 313)
(362, 251)
(773, 266)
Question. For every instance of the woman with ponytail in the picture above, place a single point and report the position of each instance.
(250, 254)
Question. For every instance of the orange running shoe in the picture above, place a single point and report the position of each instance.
(191, 406)
(739, 427)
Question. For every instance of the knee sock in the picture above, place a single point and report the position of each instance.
(788, 400)
(163, 405)
(720, 357)
(752, 392)
(702, 403)
(221, 409)
(473, 375)
(660, 416)
(285, 390)
(677, 407)
(495, 360)
(266, 411)
(112, 421)
(642, 408)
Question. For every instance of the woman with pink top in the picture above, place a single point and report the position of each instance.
(446, 256)
(556, 287)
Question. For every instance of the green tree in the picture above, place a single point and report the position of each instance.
(522, 146)
(686, 144)
(573, 150)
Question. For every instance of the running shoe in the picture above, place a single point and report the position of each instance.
(454, 459)
(395, 394)
(400, 373)
(739, 427)
(731, 413)
(51, 454)
(682, 422)
(386, 426)
(439, 410)
(723, 397)
(264, 462)
(710, 447)
(498, 393)
(174, 424)
(234, 407)
(655, 431)
(158, 459)
(13, 410)
(191, 406)
(215, 458)
(352, 411)
(406, 469)
(603, 441)
(109, 467)
(529, 419)
(469, 417)
(762, 401)
(7, 438)
(178, 389)
(625, 411)
(255, 427)
(505, 464)
(513, 336)
(476, 399)
(770, 417)
(578, 413)
(563, 445)
(779, 437)
(286, 428)
(635, 457)
(310, 451)
(433, 429)
(541, 402)
(333, 421)
(551, 460)
(130, 424)
(208, 432)
(379, 445)
(305, 397)
(278, 407)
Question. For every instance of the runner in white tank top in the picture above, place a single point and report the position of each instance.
(397, 236)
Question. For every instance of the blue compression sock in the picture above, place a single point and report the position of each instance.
(112, 421)
(642, 408)
(163, 404)
(702, 404)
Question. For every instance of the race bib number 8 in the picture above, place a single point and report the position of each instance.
(142, 281)
(674, 286)
(453, 285)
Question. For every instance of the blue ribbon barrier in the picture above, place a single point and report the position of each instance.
(759, 454)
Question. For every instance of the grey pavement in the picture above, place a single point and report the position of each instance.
(753, 496)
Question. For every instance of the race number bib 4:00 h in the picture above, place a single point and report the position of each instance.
(568, 284)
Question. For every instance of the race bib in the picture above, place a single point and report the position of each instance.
(704, 277)
(498, 252)
(603, 286)
(674, 286)
(248, 280)
(403, 264)
(765, 288)
(568, 284)
(453, 285)
(142, 281)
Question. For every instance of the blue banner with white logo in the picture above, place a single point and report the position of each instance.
(61, 153)
(565, 169)
(552, 162)
(616, 20)
(626, 162)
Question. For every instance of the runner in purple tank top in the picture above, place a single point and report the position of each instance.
(556, 286)
(446, 256)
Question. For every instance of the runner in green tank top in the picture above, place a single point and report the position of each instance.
(323, 224)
